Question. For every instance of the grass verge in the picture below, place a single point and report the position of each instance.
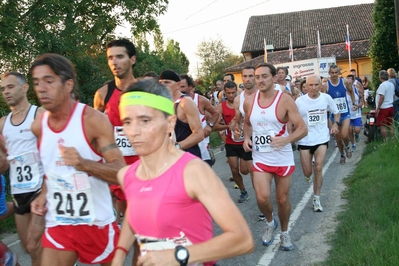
(368, 231)
(215, 140)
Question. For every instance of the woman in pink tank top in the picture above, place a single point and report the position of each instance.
(172, 196)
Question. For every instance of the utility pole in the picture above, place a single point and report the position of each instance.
(397, 22)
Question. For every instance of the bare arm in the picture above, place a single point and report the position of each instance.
(324, 87)
(99, 97)
(191, 112)
(38, 205)
(360, 90)
(218, 126)
(247, 124)
(293, 116)
(380, 101)
(201, 183)
(349, 88)
(214, 114)
(238, 117)
(236, 238)
(99, 132)
(3, 156)
(126, 238)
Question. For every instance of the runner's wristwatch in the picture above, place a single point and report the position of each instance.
(182, 255)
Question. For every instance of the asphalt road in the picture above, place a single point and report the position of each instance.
(309, 231)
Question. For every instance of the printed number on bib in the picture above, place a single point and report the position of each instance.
(122, 142)
(71, 199)
(25, 173)
(262, 141)
(341, 104)
(316, 117)
(66, 204)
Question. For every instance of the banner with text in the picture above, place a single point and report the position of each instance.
(304, 68)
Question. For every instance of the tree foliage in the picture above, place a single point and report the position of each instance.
(164, 56)
(215, 57)
(384, 47)
(76, 29)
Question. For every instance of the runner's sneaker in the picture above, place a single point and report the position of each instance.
(348, 152)
(342, 160)
(222, 146)
(268, 235)
(335, 143)
(317, 206)
(353, 147)
(243, 197)
(308, 178)
(261, 217)
(357, 137)
(231, 179)
(286, 244)
(236, 186)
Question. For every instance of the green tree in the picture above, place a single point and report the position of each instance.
(215, 57)
(384, 49)
(77, 29)
(167, 56)
(174, 58)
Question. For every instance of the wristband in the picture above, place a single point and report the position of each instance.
(123, 249)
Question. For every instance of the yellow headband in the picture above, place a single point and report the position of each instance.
(147, 99)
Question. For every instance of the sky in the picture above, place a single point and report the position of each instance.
(189, 22)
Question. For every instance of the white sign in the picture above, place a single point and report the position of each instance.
(305, 68)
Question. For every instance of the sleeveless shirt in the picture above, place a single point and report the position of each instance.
(265, 124)
(73, 197)
(161, 208)
(203, 145)
(183, 130)
(112, 110)
(338, 93)
(26, 170)
(228, 114)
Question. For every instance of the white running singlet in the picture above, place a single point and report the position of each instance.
(314, 113)
(73, 197)
(26, 170)
(265, 125)
(358, 112)
(203, 145)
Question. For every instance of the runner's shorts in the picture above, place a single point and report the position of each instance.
(311, 148)
(93, 244)
(237, 151)
(22, 201)
(281, 171)
(357, 122)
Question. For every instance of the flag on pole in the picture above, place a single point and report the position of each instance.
(265, 55)
(291, 50)
(347, 40)
(318, 45)
(348, 46)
